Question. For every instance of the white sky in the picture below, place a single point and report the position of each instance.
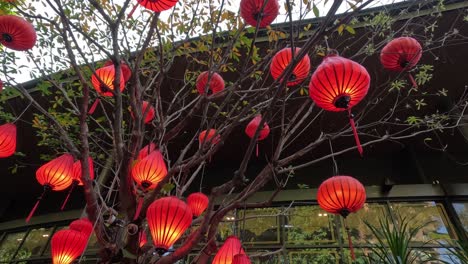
(232, 5)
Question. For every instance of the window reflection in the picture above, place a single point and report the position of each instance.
(462, 211)
(370, 213)
(309, 224)
(10, 244)
(34, 243)
(311, 256)
(259, 226)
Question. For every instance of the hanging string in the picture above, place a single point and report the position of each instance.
(350, 242)
(335, 165)
(94, 106)
(68, 195)
(33, 210)
(356, 136)
(132, 11)
(256, 152)
(413, 81)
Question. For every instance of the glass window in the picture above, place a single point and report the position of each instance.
(226, 227)
(10, 244)
(430, 215)
(34, 243)
(311, 256)
(47, 251)
(309, 225)
(259, 226)
(360, 233)
(462, 212)
(266, 257)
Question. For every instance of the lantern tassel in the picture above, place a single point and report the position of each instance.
(356, 136)
(256, 152)
(413, 81)
(68, 195)
(133, 11)
(138, 209)
(350, 242)
(94, 106)
(33, 210)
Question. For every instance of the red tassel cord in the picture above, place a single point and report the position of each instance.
(94, 106)
(256, 152)
(133, 11)
(138, 209)
(68, 195)
(33, 210)
(413, 81)
(356, 136)
(350, 242)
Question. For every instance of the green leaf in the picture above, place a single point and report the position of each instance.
(315, 10)
(350, 30)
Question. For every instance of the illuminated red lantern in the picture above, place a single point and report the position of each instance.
(55, 175)
(231, 247)
(252, 128)
(338, 84)
(16, 33)
(82, 225)
(401, 54)
(67, 245)
(281, 61)
(77, 178)
(198, 202)
(127, 73)
(251, 11)
(146, 150)
(208, 137)
(107, 76)
(241, 259)
(216, 84)
(142, 238)
(158, 5)
(7, 140)
(148, 172)
(341, 195)
(168, 218)
(150, 113)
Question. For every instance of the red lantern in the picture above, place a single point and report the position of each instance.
(231, 247)
(208, 137)
(157, 5)
(146, 150)
(252, 128)
(7, 140)
(127, 73)
(16, 33)
(77, 178)
(149, 113)
(339, 84)
(107, 76)
(251, 11)
(281, 61)
(148, 172)
(342, 195)
(241, 259)
(401, 54)
(198, 202)
(67, 245)
(168, 218)
(142, 238)
(82, 225)
(216, 83)
(55, 175)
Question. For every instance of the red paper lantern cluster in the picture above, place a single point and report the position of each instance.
(77, 180)
(341, 195)
(107, 76)
(208, 137)
(168, 218)
(252, 128)
(158, 5)
(127, 73)
(282, 59)
(16, 33)
(150, 113)
(146, 150)
(67, 245)
(338, 84)
(231, 247)
(198, 202)
(401, 54)
(215, 86)
(257, 12)
(7, 140)
(82, 225)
